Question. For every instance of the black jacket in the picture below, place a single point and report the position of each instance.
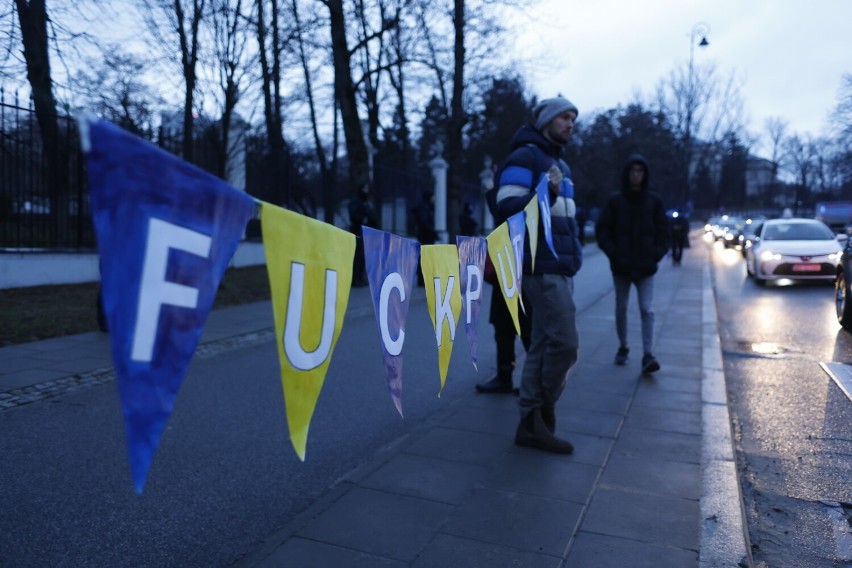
(633, 230)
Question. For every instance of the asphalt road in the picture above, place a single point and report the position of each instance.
(793, 425)
(225, 474)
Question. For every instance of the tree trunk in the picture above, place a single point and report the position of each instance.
(33, 21)
(344, 92)
(455, 159)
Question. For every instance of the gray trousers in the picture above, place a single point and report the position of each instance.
(554, 340)
(645, 293)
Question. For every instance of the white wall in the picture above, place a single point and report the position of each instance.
(21, 270)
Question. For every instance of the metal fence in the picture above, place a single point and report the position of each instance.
(39, 207)
(41, 210)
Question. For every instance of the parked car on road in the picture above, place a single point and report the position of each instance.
(795, 249)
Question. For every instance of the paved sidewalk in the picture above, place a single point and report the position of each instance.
(652, 481)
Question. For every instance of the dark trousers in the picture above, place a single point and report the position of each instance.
(504, 332)
(359, 270)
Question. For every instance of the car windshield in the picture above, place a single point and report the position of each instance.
(797, 232)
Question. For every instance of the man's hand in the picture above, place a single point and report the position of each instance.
(554, 181)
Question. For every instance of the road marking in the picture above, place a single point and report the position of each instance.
(841, 373)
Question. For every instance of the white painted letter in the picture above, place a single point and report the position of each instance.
(298, 357)
(474, 287)
(154, 290)
(392, 282)
(508, 290)
(443, 310)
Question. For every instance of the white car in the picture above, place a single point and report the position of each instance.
(795, 249)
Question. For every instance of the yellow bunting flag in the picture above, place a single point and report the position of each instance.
(532, 215)
(440, 265)
(503, 258)
(310, 292)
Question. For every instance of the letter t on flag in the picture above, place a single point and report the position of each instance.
(166, 231)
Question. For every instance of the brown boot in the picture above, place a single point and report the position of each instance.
(533, 432)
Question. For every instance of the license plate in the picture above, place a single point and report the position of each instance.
(807, 267)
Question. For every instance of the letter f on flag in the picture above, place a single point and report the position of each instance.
(166, 231)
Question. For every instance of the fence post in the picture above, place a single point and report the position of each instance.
(439, 174)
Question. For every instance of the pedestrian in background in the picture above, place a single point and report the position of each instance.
(424, 218)
(361, 214)
(633, 231)
(554, 339)
(680, 236)
(467, 224)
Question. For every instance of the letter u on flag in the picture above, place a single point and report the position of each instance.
(503, 258)
(391, 263)
(440, 264)
(166, 231)
(310, 273)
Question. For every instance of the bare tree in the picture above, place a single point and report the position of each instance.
(229, 24)
(116, 88)
(776, 131)
(345, 95)
(184, 29)
(701, 107)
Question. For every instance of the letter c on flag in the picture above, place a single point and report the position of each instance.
(392, 282)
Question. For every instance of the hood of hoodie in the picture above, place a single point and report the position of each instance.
(625, 173)
(528, 134)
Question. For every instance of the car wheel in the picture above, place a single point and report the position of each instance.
(842, 303)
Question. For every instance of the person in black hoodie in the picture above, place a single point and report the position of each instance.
(633, 231)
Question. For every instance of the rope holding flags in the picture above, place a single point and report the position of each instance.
(166, 231)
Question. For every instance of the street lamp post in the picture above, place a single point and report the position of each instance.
(698, 30)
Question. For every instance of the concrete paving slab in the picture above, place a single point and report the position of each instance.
(643, 517)
(603, 424)
(668, 420)
(518, 520)
(447, 550)
(543, 475)
(667, 400)
(460, 445)
(659, 445)
(602, 551)
(304, 553)
(383, 524)
(634, 473)
(426, 478)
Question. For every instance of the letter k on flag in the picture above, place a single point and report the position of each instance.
(166, 231)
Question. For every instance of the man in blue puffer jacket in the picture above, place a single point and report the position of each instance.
(554, 341)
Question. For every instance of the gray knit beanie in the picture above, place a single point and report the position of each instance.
(548, 109)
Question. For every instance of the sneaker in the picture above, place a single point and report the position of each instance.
(649, 364)
(621, 356)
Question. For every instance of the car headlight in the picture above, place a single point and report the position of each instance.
(729, 237)
(768, 255)
(835, 256)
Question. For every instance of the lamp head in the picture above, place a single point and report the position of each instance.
(703, 42)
